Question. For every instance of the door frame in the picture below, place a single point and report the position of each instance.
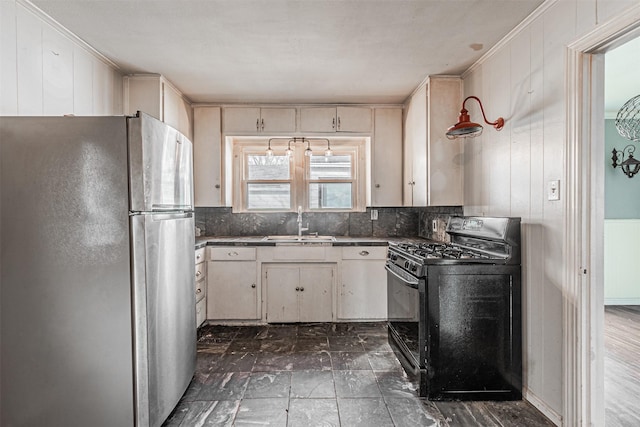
(583, 302)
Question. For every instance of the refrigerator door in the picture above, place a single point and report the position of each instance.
(65, 278)
(160, 166)
(164, 312)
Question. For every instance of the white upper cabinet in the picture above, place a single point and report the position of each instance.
(251, 120)
(386, 167)
(207, 156)
(336, 119)
(156, 96)
(433, 168)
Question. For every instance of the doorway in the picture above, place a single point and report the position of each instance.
(583, 311)
(621, 330)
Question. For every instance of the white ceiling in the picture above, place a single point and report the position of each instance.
(292, 51)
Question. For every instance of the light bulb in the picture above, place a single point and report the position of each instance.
(269, 152)
(308, 152)
(328, 152)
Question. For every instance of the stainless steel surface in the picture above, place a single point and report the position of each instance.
(161, 167)
(76, 344)
(165, 310)
(305, 238)
(66, 320)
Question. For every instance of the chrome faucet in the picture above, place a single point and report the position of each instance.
(300, 227)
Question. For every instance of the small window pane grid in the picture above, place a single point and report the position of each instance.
(282, 183)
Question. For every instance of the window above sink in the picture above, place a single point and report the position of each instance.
(281, 181)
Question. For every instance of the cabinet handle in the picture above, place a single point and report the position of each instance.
(364, 253)
(253, 285)
(333, 123)
(377, 185)
(301, 289)
(338, 123)
(198, 291)
(262, 124)
(297, 289)
(198, 273)
(234, 253)
(198, 256)
(257, 124)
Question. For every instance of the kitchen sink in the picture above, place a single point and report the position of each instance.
(306, 238)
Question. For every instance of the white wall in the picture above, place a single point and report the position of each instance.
(621, 266)
(506, 173)
(45, 70)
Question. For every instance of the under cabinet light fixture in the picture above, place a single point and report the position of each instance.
(465, 128)
(300, 140)
(630, 166)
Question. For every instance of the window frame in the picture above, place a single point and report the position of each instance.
(299, 174)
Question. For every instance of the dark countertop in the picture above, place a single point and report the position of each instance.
(340, 241)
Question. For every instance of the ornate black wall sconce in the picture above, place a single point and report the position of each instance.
(630, 166)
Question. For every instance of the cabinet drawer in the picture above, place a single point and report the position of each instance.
(201, 312)
(200, 273)
(232, 253)
(201, 288)
(199, 255)
(364, 252)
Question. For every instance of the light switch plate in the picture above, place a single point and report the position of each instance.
(434, 225)
(374, 214)
(553, 190)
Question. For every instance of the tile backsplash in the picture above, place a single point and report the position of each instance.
(391, 222)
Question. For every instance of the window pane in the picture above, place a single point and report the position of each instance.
(261, 167)
(330, 195)
(331, 167)
(269, 196)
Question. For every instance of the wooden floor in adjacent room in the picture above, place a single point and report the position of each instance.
(622, 365)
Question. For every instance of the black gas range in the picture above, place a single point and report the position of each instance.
(455, 310)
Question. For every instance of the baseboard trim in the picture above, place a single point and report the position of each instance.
(553, 416)
(622, 301)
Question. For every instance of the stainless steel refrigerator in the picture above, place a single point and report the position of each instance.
(97, 287)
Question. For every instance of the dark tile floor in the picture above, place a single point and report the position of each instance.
(330, 374)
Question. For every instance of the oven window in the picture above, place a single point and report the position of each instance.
(404, 313)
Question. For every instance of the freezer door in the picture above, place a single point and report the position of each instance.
(164, 312)
(160, 166)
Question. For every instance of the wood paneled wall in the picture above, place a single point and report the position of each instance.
(507, 172)
(45, 71)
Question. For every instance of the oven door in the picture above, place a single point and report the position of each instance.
(407, 313)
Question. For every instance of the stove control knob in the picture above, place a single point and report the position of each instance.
(406, 264)
(414, 267)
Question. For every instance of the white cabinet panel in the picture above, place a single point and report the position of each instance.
(318, 119)
(57, 68)
(29, 63)
(232, 292)
(171, 103)
(353, 119)
(433, 174)
(387, 158)
(363, 285)
(299, 292)
(314, 298)
(277, 120)
(335, 119)
(207, 156)
(241, 119)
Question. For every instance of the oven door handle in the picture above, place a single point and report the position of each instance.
(410, 283)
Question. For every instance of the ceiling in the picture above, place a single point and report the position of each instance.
(292, 51)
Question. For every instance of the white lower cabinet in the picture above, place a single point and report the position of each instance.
(363, 289)
(299, 292)
(200, 287)
(232, 292)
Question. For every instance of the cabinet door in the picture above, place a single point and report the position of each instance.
(171, 104)
(232, 292)
(241, 119)
(363, 291)
(354, 119)
(314, 297)
(207, 155)
(277, 120)
(387, 157)
(143, 93)
(282, 289)
(318, 119)
(415, 150)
